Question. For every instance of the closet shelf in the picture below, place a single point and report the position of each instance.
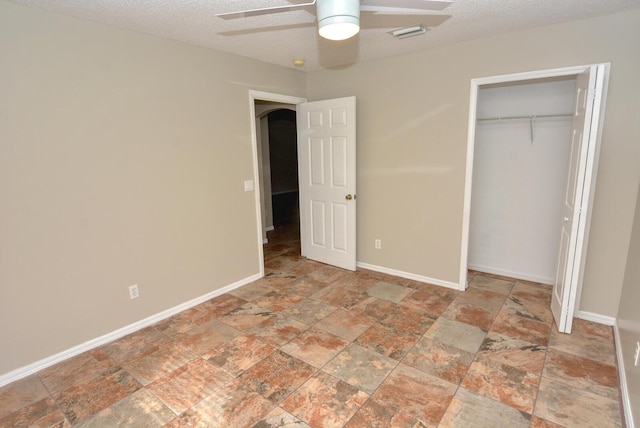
(529, 117)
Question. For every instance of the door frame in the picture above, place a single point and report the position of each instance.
(591, 165)
(271, 97)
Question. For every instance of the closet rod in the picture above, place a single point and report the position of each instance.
(530, 117)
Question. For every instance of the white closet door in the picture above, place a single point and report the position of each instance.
(581, 168)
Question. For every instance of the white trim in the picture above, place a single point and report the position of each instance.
(534, 75)
(463, 282)
(262, 96)
(597, 318)
(408, 275)
(622, 376)
(32, 368)
(510, 274)
(276, 98)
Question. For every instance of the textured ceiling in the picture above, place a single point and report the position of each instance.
(279, 38)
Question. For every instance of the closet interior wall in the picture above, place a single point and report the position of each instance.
(519, 177)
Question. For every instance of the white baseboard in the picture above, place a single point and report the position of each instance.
(510, 274)
(269, 228)
(626, 401)
(408, 275)
(597, 318)
(30, 369)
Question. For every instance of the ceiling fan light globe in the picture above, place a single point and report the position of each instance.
(339, 30)
(338, 19)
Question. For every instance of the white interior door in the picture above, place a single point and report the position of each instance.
(589, 88)
(327, 180)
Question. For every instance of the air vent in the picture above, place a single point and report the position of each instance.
(403, 33)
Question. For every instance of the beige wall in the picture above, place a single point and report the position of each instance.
(412, 137)
(629, 316)
(122, 160)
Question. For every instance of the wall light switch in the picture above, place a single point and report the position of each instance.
(133, 291)
(248, 185)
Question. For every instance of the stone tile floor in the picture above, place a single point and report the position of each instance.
(313, 345)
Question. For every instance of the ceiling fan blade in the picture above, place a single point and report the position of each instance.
(371, 20)
(399, 5)
(267, 29)
(263, 11)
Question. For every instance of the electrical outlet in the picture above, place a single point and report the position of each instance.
(133, 292)
(378, 244)
(637, 356)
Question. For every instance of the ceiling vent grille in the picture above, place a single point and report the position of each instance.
(403, 33)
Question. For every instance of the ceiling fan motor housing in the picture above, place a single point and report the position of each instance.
(338, 13)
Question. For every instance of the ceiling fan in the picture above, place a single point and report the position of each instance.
(340, 19)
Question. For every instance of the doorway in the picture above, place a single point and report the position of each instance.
(587, 114)
(277, 141)
(283, 160)
(261, 104)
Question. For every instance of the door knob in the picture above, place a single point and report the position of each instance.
(349, 197)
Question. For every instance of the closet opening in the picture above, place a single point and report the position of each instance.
(520, 167)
